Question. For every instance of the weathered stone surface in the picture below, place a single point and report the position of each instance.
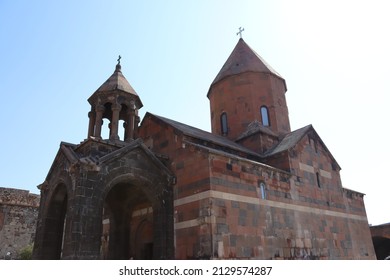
(18, 217)
(256, 190)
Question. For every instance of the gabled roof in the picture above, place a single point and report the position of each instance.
(93, 162)
(204, 135)
(291, 139)
(244, 59)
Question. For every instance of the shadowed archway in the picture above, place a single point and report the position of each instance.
(54, 224)
(119, 184)
(129, 231)
(381, 246)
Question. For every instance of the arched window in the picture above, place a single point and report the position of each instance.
(263, 191)
(318, 180)
(224, 124)
(264, 116)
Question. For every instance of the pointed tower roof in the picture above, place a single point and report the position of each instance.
(244, 59)
(116, 82)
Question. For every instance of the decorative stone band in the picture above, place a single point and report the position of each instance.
(310, 169)
(305, 167)
(195, 222)
(253, 200)
(325, 174)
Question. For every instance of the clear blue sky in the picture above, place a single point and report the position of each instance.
(334, 56)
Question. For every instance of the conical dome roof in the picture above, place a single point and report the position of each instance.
(244, 59)
(117, 82)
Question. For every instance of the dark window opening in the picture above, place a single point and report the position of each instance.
(224, 124)
(318, 180)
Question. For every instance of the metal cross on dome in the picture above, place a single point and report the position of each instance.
(240, 30)
(119, 60)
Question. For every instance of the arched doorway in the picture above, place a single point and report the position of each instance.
(143, 241)
(127, 224)
(54, 223)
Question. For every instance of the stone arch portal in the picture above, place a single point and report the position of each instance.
(54, 223)
(135, 222)
(129, 189)
(124, 205)
(137, 206)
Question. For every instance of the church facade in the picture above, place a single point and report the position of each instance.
(249, 189)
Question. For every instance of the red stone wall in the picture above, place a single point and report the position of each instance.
(220, 211)
(141, 227)
(381, 231)
(293, 222)
(241, 97)
(191, 167)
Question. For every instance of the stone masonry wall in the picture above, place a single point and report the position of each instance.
(221, 211)
(279, 224)
(191, 167)
(381, 230)
(18, 217)
(241, 97)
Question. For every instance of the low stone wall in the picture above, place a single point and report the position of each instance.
(18, 218)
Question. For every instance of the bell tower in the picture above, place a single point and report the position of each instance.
(247, 90)
(115, 100)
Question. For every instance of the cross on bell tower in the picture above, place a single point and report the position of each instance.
(115, 100)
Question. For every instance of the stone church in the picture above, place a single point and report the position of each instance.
(250, 189)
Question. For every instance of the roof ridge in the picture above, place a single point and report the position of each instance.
(205, 135)
(265, 62)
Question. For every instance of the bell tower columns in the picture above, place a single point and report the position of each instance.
(115, 121)
(114, 100)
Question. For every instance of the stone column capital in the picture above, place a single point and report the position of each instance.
(100, 108)
(116, 107)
